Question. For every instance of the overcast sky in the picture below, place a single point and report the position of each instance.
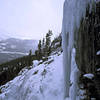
(31, 18)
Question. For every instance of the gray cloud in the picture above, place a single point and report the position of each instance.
(30, 18)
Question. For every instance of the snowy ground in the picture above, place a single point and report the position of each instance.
(42, 82)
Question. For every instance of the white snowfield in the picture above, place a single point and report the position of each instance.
(42, 82)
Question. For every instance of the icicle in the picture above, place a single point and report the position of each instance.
(74, 11)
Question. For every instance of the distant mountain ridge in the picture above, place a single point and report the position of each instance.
(4, 35)
(17, 45)
(12, 48)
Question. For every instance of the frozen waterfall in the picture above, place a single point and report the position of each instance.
(74, 11)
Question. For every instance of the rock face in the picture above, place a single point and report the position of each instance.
(88, 40)
(87, 45)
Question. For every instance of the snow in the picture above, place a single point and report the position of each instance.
(89, 75)
(98, 53)
(13, 46)
(3, 44)
(98, 69)
(35, 62)
(42, 82)
(3, 48)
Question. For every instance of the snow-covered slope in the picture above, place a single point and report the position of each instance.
(74, 11)
(42, 82)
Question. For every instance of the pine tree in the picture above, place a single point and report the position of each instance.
(39, 49)
(48, 43)
(36, 53)
(43, 41)
(30, 58)
(43, 47)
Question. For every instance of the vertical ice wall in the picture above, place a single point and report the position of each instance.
(74, 11)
